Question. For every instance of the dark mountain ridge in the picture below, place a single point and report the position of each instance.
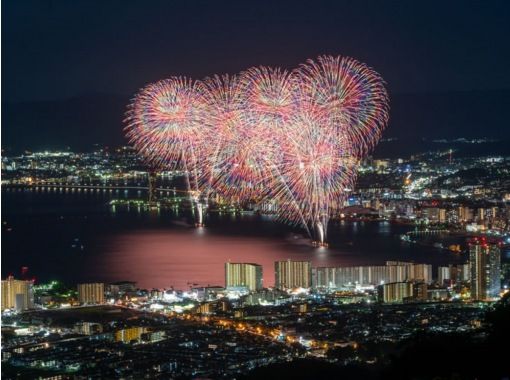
(82, 121)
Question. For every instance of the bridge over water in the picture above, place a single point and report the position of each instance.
(57, 185)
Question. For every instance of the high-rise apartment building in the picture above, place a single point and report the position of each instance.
(485, 270)
(393, 271)
(395, 292)
(17, 294)
(293, 274)
(247, 275)
(91, 293)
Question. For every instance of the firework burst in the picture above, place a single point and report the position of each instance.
(163, 124)
(267, 135)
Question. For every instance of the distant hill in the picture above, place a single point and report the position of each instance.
(449, 115)
(98, 118)
(78, 122)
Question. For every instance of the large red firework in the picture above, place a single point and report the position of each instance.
(268, 134)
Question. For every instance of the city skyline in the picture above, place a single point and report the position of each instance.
(410, 190)
(255, 190)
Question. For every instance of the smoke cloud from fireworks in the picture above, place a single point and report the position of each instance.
(293, 139)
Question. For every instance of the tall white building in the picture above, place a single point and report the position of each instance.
(484, 262)
(17, 294)
(293, 274)
(392, 272)
(247, 275)
(92, 293)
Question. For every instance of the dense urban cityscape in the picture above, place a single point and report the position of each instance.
(246, 190)
(347, 315)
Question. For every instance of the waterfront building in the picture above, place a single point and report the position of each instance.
(371, 275)
(485, 270)
(293, 274)
(247, 275)
(340, 277)
(414, 272)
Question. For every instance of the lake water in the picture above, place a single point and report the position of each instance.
(77, 237)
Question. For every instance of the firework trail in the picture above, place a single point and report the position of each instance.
(316, 168)
(269, 106)
(268, 134)
(223, 131)
(341, 110)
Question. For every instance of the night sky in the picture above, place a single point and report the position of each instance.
(70, 67)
